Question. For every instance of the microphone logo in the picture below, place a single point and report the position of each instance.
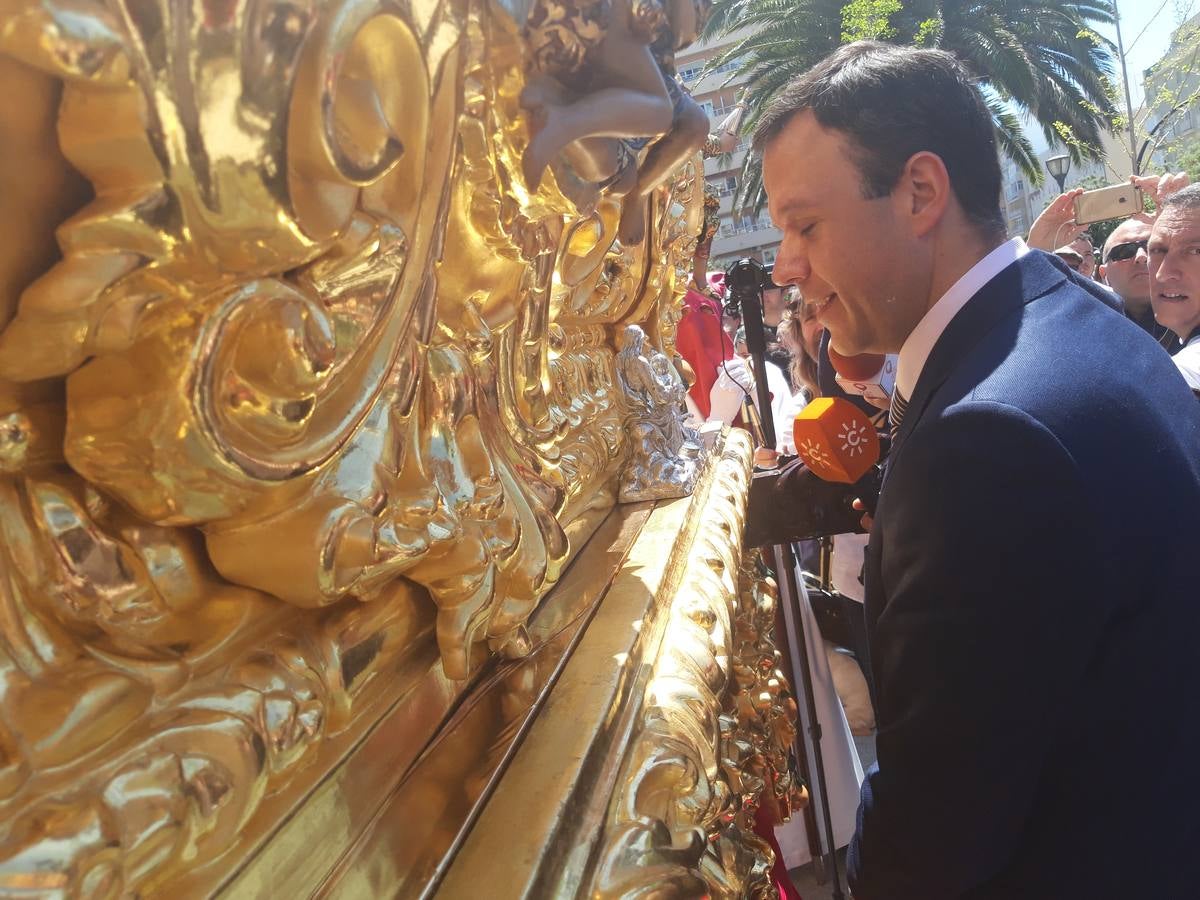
(854, 437)
(814, 454)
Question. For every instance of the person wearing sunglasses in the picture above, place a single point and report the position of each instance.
(1174, 265)
(1125, 259)
(1125, 269)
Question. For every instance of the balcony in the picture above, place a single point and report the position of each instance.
(716, 166)
(735, 239)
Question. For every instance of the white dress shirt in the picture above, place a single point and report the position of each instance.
(920, 343)
(1188, 361)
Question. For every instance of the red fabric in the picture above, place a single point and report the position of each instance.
(764, 827)
(702, 341)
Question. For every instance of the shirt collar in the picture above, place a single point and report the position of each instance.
(919, 343)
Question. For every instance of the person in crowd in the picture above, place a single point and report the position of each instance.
(1174, 265)
(701, 340)
(1071, 257)
(1125, 270)
(843, 700)
(1079, 255)
(1087, 254)
(782, 405)
(1030, 579)
(1124, 255)
(800, 335)
(774, 302)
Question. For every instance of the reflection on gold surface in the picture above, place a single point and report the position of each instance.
(306, 401)
(668, 728)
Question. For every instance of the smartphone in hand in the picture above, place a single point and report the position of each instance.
(1116, 202)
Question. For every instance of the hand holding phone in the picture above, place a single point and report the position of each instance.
(1116, 202)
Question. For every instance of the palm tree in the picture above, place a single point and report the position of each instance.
(1035, 59)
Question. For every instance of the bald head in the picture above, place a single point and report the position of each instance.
(1129, 277)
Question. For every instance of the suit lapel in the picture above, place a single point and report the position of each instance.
(1024, 281)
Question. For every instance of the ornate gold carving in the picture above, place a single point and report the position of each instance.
(302, 389)
(715, 730)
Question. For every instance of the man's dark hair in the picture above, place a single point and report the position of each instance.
(892, 102)
(1187, 198)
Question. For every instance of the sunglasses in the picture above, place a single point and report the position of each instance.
(1128, 250)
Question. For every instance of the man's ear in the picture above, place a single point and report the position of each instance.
(1100, 271)
(925, 190)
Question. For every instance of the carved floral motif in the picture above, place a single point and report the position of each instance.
(716, 728)
(305, 380)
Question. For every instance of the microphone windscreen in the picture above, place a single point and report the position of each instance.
(856, 368)
(836, 440)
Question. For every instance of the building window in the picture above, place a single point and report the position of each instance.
(730, 65)
(724, 109)
(691, 73)
(1018, 223)
(724, 186)
(768, 256)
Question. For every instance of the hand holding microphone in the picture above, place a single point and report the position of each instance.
(838, 446)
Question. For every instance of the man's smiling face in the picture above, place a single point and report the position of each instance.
(871, 300)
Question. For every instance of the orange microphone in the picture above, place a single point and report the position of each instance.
(836, 440)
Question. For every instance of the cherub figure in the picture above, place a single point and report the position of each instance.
(607, 73)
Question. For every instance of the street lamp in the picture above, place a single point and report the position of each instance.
(1059, 166)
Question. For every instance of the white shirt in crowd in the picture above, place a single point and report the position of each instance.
(1188, 361)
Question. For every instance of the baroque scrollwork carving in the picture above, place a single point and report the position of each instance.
(717, 724)
(301, 382)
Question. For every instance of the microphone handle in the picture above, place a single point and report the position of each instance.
(868, 488)
(793, 504)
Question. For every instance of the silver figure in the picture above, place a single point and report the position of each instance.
(665, 454)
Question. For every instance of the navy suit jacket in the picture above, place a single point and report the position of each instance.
(1033, 612)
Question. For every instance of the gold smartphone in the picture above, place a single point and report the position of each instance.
(1116, 202)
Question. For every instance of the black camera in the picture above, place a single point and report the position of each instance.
(746, 279)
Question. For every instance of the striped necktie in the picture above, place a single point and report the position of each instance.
(896, 412)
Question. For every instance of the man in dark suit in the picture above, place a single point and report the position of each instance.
(1031, 591)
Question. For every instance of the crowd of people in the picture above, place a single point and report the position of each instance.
(1027, 577)
(1158, 287)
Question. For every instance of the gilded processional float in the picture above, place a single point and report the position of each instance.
(321, 385)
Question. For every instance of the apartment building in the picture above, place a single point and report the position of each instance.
(742, 232)
(1022, 201)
